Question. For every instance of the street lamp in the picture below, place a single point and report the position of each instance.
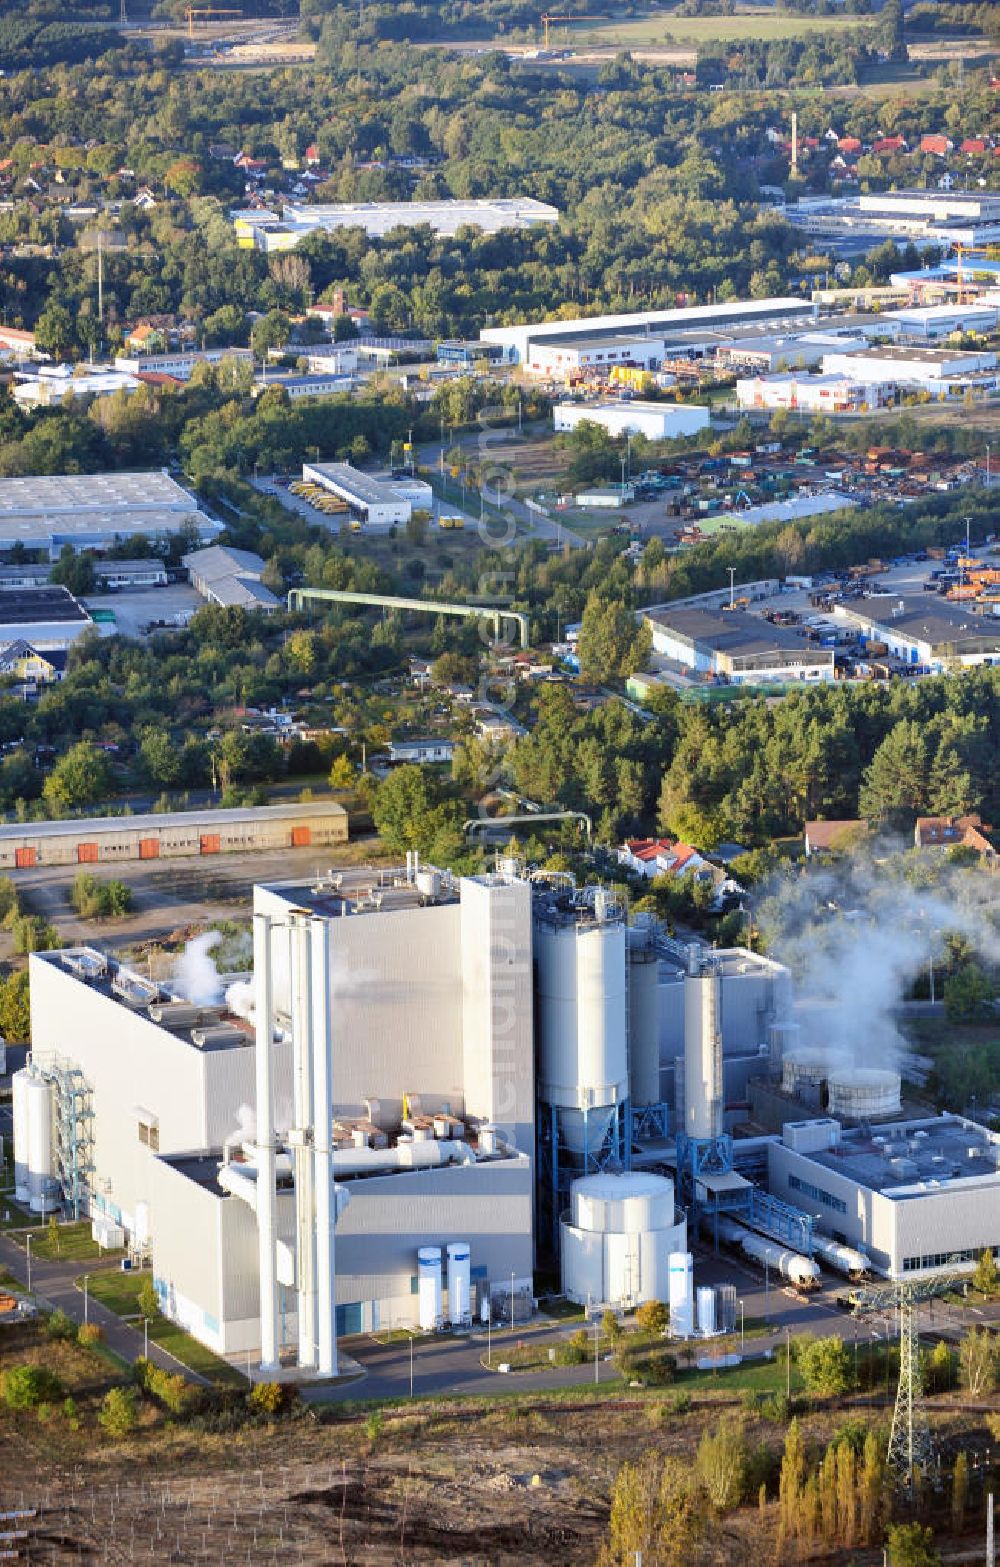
(28, 1243)
(411, 1365)
(489, 1333)
(512, 1300)
(597, 1374)
(145, 1340)
(86, 1298)
(742, 1336)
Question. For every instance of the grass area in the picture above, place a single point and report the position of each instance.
(763, 1376)
(13, 1217)
(66, 1243)
(120, 1292)
(665, 28)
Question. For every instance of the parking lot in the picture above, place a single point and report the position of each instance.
(135, 612)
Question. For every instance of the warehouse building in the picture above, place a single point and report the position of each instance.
(230, 577)
(935, 636)
(819, 504)
(567, 357)
(114, 839)
(828, 394)
(181, 363)
(925, 324)
(518, 342)
(916, 1196)
(263, 231)
(656, 421)
(734, 645)
(50, 618)
(96, 511)
(783, 351)
(378, 503)
(943, 372)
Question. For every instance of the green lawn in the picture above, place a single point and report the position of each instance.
(665, 28)
(763, 1376)
(120, 1292)
(68, 1243)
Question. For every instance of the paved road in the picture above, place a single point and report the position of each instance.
(54, 1284)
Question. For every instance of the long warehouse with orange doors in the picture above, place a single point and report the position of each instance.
(113, 839)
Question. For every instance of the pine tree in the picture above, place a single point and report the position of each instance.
(871, 1489)
(959, 1492)
(791, 1483)
(847, 1495)
(827, 1483)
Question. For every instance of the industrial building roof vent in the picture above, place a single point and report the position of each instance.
(215, 1038)
(86, 963)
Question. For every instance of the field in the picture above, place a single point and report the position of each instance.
(665, 28)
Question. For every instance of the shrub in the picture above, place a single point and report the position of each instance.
(825, 1366)
(25, 1387)
(96, 899)
(776, 1407)
(89, 1333)
(611, 1328)
(721, 1465)
(169, 1388)
(680, 1404)
(119, 1413)
(70, 1414)
(652, 1316)
(374, 1426)
(60, 1326)
(268, 1398)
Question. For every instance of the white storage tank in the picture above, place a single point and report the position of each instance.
(706, 1311)
(19, 1090)
(618, 1237)
(702, 1053)
(459, 1283)
(680, 1265)
(859, 1092)
(582, 1025)
(429, 1287)
(38, 1128)
(643, 1019)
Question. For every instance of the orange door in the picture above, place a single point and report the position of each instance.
(86, 853)
(149, 848)
(211, 843)
(24, 859)
(301, 837)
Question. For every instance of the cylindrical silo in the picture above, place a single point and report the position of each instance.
(643, 1020)
(618, 1236)
(459, 1282)
(41, 1144)
(702, 1054)
(582, 1025)
(429, 1287)
(706, 1311)
(19, 1088)
(858, 1092)
(681, 1274)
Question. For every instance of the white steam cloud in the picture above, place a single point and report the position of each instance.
(195, 977)
(858, 934)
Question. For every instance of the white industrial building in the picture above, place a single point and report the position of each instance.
(182, 362)
(828, 394)
(230, 578)
(48, 385)
(379, 503)
(943, 372)
(96, 510)
(49, 618)
(519, 342)
(937, 636)
(926, 323)
(266, 232)
(656, 421)
(567, 357)
(789, 351)
(819, 503)
(735, 645)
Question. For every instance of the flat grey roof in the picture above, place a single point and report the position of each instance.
(937, 621)
(364, 890)
(50, 495)
(75, 825)
(221, 560)
(26, 606)
(931, 1153)
(363, 488)
(729, 631)
(922, 356)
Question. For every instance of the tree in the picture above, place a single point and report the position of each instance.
(825, 1366)
(895, 783)
(54, 332)
(80, 777)
(979, 1358)
(119, 1413)
(341, 773)
(911, 1545)
(968, 994)
(15, 1007)
(655, 1512)
(25, 1387)
(652, 1317)
(721, 1465)
(612, 642)
(986, 1278)
(959, 1491)
(147, 1299)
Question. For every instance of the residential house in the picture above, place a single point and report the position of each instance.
(953, 832)
(431, 748)
(937, 146)
(20, 661)
(833, 837)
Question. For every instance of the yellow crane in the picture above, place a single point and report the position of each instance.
(547, 20)
(205, 10)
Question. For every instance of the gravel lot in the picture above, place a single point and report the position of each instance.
(134, 611)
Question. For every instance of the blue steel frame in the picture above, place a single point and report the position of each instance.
(559, 1166)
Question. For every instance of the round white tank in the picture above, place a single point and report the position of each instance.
(582, 1014)
(429, 1287)
(19, 1088)
(459, 1282)
(41, 1153)
(859, 1092)
(618, 1237)
(429, 884)
(702, 1056)
(805, 1068)
(643, 1025)
(680, 1265)
(706, 1311)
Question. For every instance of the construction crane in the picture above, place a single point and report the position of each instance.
(910, 1447)
(546, 20)
(205, 10)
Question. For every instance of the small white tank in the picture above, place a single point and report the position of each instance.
(680, 1266)
(859, 1092)
(706, 1311)
(459, 1283)
(19, 1089)
(429, 1287)
(39, 1110)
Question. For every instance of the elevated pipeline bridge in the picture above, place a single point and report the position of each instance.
(299, 598)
